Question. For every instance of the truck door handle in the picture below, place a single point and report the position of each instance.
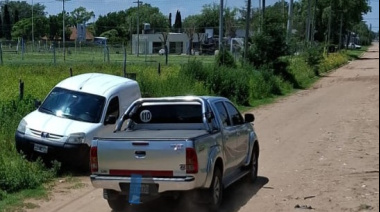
(140, 154)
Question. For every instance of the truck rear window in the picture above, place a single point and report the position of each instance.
(166, 114)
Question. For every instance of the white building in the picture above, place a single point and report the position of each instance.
(178, 43)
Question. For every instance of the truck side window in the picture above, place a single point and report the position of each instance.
(223, 114)
(237, 118)
(113, 107)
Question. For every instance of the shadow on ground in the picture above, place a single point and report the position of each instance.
(235, 197)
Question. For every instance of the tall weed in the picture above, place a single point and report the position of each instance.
(16, 173)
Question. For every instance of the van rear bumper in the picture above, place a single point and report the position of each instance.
(71, 154)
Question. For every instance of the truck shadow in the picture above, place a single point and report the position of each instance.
(235, 197)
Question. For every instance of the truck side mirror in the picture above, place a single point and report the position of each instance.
(37, 103)
(110, 120)
(249, 118)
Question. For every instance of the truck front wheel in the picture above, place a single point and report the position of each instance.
(253, 166)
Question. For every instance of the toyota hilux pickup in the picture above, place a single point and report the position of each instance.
(175, 146)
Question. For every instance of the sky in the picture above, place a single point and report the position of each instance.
(187, 7)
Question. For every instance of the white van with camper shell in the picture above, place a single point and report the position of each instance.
(76, 110)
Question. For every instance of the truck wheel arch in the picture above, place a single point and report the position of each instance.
(214, 160)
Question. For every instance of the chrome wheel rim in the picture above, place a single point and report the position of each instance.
(254, 165)
(216, 190)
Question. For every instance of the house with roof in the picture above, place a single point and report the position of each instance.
(80, 33)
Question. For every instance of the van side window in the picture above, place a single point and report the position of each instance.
(237, 118)
(223, 114)
(113, 107)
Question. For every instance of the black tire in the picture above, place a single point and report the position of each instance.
(254, 166)
(118, 203)
(216, 191)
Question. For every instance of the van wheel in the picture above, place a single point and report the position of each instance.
(216, 191)
(118, 203)
(254, 166)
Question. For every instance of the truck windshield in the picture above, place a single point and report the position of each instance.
(74, 105)
(167, 114)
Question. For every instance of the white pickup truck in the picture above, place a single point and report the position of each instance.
(177, 146)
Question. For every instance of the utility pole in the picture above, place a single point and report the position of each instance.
(308, 21)
(330, 19)
(138, 2)
(247, 27)
(290, 19)
(314, 21)
(341, 30)
(64, 28)
(221, 24)
(263, 15)
(32, 26)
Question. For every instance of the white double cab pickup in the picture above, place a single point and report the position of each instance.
(76, 110)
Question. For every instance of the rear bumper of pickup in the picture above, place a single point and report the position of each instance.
(164, 184)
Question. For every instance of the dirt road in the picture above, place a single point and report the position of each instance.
(320, 150)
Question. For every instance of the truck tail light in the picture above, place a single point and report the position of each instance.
(94, 159)
(191, 161)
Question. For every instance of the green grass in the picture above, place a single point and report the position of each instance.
(355, 54)
(16, 201)
(95, 56)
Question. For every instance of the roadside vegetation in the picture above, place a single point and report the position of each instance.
(274, 67)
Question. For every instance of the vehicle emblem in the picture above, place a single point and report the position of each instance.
(177, 147)
(45, 135)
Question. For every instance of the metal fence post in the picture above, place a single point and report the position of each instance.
(21, 91)
(125, 62)
(54, 55)
(1, 54)
(159, 68)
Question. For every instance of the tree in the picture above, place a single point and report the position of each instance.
(7, 25)
(230, 21)
(170, 21)
(113, 20)
(80, 16)
(329, 11)
(16, 16)
(178, 22)
(125, 21)
(210, 17)
(23, 28)
(25, 10)
(270, 43)
(54, 27)
(1, 27)
(112, 35)
(191, 28)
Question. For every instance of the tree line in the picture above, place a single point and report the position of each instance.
(329, 20)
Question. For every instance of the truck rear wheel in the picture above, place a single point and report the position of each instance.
(216, 191)
(118, 203)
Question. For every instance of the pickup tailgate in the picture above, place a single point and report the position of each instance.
(146, 153)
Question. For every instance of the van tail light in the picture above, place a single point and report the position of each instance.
(192, 165)
(94, 159)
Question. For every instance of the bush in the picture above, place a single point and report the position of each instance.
(12, 112)
(225, 58)
(16, 173)
(230, 83)
(313, 57)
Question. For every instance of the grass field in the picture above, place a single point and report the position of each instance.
(92, 55)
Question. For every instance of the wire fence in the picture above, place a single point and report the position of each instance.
(47, 52)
